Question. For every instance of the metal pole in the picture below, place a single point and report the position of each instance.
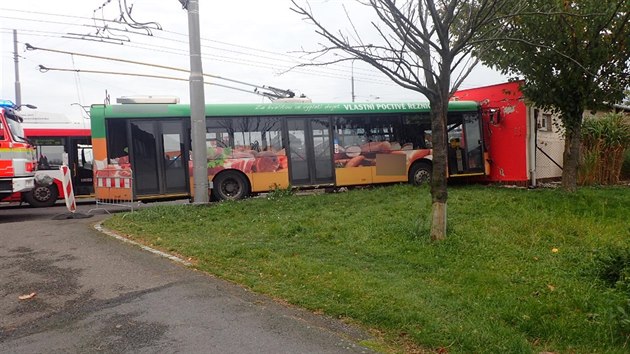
(352, 78)
(197, 106)
(18, 90)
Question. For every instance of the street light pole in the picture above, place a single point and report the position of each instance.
(197, 105)
(352, 78)
(16, 60)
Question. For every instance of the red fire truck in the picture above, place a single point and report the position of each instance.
(58, 140)
(17, 155)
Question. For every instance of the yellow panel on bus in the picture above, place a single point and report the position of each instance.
(390, 168)
(265, 181)
(348, 176)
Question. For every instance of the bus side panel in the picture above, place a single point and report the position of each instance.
(99, 146)
(349, 176)
(99, 150)
(265, 181)
(109, 183)
(390, 168)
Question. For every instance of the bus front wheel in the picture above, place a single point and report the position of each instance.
(42, 196)
(230, 185)
(420, 174)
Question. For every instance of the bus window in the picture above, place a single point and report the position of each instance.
(455, 149)
(428, 139)
(465, 153)
(257, 134)
(83, 178)
(416, 132)
(85, 156)
(350, 131)
(386, 130)
(117, 141)
(49, 153)
(1, 131)
(217, 133)
(473, 141)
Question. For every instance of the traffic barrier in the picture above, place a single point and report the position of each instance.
(114, 188)
(66, 182)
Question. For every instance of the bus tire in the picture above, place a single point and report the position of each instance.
(230, 185)
(420, 173)
(42, 196)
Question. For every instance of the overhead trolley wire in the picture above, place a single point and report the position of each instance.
(276, 93)
(227, 59)
(282, 56)
(44, 69)
(215, 57)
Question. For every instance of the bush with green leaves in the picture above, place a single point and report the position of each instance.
(604, 144)
(625, 167)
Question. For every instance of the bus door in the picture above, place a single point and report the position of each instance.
(80, 162)
(310, 151)
(159, 156)
(465, 146)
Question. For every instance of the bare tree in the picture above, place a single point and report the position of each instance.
(422, 45)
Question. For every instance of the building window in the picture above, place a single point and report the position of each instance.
(545, 122)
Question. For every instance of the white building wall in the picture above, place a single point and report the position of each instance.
(549, 139)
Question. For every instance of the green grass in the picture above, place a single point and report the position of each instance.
(495, 285)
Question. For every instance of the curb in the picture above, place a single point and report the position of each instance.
(99, 227)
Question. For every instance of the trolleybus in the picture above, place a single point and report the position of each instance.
(254, 148)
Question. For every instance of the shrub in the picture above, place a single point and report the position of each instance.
(625, 167)
(604, 144)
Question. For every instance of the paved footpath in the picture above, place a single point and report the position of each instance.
(96, 294)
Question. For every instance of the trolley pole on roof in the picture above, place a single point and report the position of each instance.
(197, 105)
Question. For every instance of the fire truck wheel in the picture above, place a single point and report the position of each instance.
(42, 196)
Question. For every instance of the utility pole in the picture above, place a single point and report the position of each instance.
(352, 78)
(16, 60)
(197, 105)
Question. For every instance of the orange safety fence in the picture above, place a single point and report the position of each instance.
(114, 188)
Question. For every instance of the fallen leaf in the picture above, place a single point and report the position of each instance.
(28, 296)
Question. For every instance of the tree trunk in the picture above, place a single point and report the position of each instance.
(438, 221)
(571, 158)
(439, 193)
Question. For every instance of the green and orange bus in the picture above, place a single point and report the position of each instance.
(255, 148)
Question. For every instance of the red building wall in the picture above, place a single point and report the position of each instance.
(506, 141)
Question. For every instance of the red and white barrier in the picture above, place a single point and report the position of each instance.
(113, 182)
(113, 187)
(66, 181)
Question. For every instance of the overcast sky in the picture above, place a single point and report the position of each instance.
(252, 41)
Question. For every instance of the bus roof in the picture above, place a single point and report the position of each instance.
(99, 112)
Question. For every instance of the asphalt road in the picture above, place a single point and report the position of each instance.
(96, 294)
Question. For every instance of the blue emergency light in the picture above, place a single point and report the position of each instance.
(7, 104)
